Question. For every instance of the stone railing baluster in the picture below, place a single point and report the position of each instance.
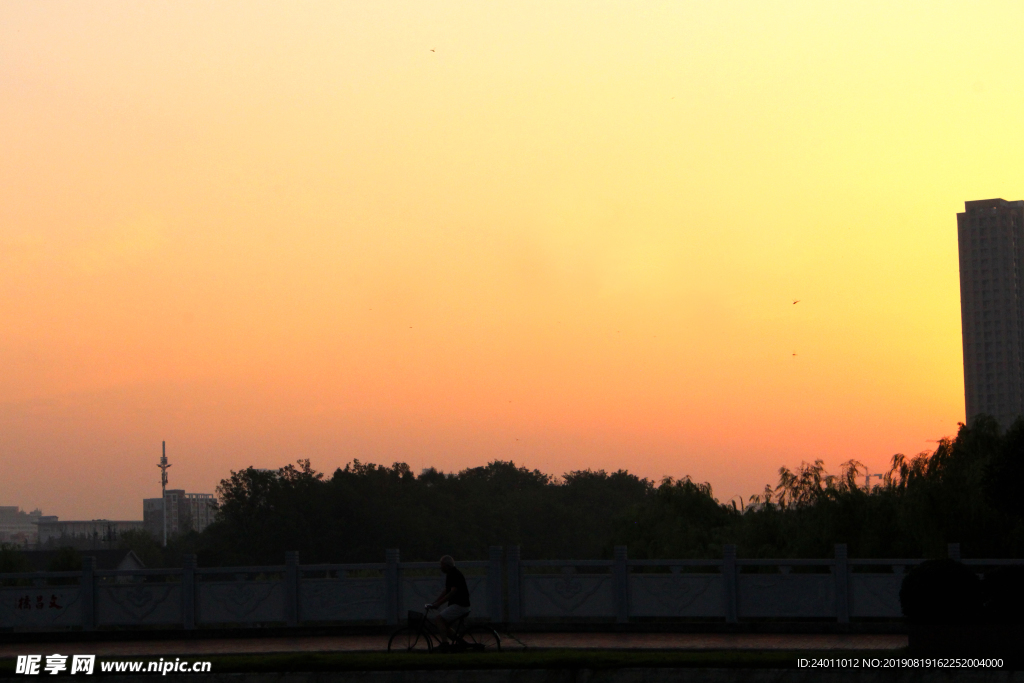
(494, 611)
(188, 592)
(842, 578)
(731, 581)
(620, 572)
(88, 591)
(291, 587)
(392, 587)
(514, 604)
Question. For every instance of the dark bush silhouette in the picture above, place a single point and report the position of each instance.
(941, 592)
(12, 561)
(1004, 595)
(66, 560)
(145, 547)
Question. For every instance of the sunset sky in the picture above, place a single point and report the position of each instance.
(567, 234)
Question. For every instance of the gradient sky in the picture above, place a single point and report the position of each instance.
(567, 234)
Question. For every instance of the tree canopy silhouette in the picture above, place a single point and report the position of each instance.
(964, 491)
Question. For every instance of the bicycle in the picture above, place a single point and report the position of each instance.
(420, 635)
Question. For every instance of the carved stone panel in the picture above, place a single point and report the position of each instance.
(568, 595)
(40, 607)
(142, 603)
(222, 602)
(417, 591)
(676, 595)
(342, 599)
(787, 595)
(875, 595)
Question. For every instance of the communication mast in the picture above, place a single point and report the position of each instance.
(163, 487)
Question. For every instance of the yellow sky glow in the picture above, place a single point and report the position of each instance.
(567, 234)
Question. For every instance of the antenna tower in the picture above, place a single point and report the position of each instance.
(163, 487)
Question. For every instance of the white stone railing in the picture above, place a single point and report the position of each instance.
(503, 589)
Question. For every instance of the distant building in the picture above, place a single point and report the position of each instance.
(185, 512)
(19, 527)
(990, 233)
(201, 508)
(153, 516)
(84, 535)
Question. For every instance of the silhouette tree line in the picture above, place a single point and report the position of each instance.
(965, 491)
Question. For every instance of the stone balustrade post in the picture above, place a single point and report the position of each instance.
(291, 588)
(188, 592)
(494, 611)
(730, 577)
(87, 588)
(512, 564)
(842, 578)
(620, 572)
(392, 586)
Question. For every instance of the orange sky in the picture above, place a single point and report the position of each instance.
(567, 234)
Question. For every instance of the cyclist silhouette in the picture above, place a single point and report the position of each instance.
(456, 594)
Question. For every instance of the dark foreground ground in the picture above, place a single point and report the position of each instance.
(511, 643)
(550, 660)
(532, 651)
(529, 658)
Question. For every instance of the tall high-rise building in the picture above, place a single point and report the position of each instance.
(991, 239)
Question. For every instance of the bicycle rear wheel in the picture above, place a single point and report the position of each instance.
(408, 639)
(482, 638)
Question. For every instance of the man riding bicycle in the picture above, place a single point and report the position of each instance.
(456, 594)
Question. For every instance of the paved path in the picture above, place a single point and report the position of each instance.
(604, 641)
(709, 641)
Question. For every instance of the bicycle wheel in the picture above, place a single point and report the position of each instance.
(482, 638)
(408, 639)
